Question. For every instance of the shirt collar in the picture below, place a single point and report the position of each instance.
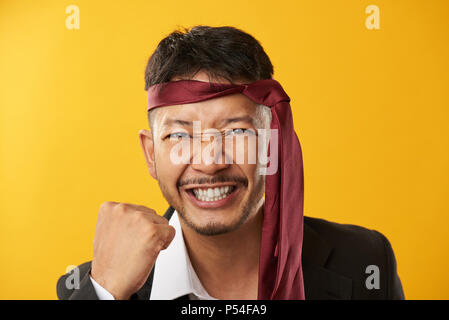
(174, 275)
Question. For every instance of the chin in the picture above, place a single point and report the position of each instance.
(213, 222)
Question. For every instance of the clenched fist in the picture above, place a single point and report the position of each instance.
(128, 239)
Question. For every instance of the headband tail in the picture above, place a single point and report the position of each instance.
(280, 267)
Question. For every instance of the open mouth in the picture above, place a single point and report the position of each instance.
(212, 194)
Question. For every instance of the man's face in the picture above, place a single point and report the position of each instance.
(211, 198)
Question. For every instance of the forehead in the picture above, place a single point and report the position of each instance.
(210, 112)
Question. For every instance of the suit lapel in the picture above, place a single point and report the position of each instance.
(319, 282)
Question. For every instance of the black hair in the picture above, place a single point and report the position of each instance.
(222, 52)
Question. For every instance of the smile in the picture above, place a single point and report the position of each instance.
(212, 194)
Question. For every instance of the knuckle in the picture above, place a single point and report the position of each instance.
(139, 216)
(106, 205)
(151, 211)
(121, 208)
(150, 230)
(105, 209)
(155, 216)
(163, 220)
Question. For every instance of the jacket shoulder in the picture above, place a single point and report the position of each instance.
(356, 251)
(346, 235)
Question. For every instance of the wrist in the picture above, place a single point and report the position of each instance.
(115, 290)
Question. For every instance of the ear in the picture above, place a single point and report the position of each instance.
(146, 142)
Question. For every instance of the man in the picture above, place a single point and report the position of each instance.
(232, 231)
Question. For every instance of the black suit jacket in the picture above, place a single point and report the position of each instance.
(335, 257)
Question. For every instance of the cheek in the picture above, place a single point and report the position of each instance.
(251, 173)
(168, 172)
(256, 182)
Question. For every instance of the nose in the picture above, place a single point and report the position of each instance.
(209, 157)
(209, 169)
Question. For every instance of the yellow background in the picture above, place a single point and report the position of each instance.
(370, 109)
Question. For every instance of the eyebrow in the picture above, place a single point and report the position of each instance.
(170, 122)
(248, 119)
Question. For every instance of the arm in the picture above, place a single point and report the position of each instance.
(124, 232)
(65, 287)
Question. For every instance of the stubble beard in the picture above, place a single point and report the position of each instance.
(214, 228)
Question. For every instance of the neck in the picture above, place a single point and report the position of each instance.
(227, 264)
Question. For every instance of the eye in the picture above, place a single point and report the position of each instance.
(177, 135)
(239, 131)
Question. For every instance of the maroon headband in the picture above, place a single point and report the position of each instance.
(280, 271)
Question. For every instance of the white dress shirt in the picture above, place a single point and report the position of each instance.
(174, 275)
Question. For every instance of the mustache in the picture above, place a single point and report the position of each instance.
(211, 180)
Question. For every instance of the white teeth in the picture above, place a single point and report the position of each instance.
(212, 194)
